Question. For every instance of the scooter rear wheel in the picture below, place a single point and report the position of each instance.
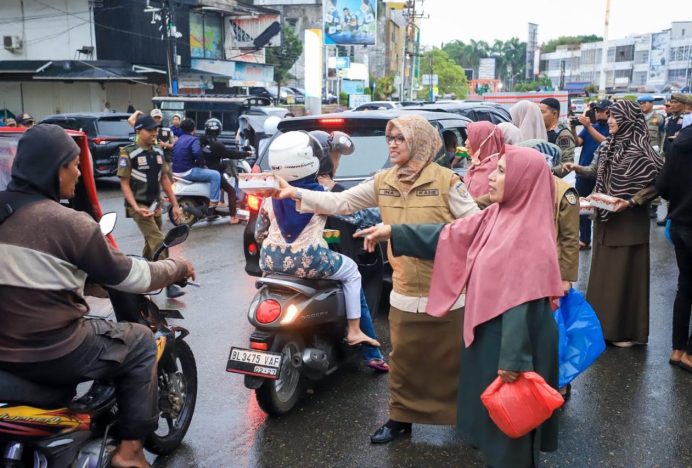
(277, 397)
(188, 217)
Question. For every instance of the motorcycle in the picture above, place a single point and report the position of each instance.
(193, 197)
(43, 426)
(300, 326)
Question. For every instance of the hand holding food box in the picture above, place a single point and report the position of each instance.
(262, 184)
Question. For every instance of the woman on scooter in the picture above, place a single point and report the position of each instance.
(292, 243)
(413, 190)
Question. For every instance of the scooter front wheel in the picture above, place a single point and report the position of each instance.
(177, 398)
(277, 397)
(189, 208)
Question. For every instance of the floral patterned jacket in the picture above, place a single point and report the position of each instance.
(306, 257)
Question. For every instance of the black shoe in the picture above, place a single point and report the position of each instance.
(661, 222)
(654, 212)
(390, 431)
(174, 291)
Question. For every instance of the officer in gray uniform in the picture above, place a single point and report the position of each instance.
(143, 173)
(654, 121)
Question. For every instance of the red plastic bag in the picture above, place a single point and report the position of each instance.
(519, 407)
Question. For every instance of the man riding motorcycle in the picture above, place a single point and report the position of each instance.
(48, 251)
(214, 151)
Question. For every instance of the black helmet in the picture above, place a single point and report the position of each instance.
(212, 127)
(320, 147)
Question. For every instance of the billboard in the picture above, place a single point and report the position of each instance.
(657, 58)
(486, 69)
(349, 22)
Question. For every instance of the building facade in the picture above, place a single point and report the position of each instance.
(76, 55)
(660, 61)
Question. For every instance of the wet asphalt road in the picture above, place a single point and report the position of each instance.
(631, 409)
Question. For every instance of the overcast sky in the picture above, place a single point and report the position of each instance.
(502, 19)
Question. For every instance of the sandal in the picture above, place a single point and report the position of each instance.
(234, 220)
(584, 246)
(378, 364)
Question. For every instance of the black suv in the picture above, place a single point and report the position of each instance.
(367, 129)
(474, 110)
(106, 132)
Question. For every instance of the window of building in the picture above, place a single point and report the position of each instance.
(641, 56)
(624, 53)
(680, 54)
(639, 78)
(623, 73)
(611, 54)
(206, 35)
(679, 76)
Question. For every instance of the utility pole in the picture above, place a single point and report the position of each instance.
(410, 44)
(604, 54)
(432, 94)
(172, 49)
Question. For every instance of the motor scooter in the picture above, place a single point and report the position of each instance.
(43, 426)
(300, 326)
(193, 197)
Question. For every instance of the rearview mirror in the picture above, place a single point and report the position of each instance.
(107, 222)
(176, 236)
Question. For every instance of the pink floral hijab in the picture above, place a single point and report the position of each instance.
(423, 143)
(505, 255)
(487, 142)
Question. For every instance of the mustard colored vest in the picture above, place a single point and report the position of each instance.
(426, 202)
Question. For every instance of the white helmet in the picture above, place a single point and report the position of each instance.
(291, 156)
(271, 124)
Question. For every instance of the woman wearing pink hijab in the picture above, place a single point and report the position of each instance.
(486, 145)
(505, 259)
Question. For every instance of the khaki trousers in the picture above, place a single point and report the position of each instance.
(151, 230)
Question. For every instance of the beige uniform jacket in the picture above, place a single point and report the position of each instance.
(362, 196)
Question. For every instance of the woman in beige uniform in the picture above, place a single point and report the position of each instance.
(424, 359)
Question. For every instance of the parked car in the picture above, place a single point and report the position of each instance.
(473, 110)
(367, 129)
(577, 105)
(106, 132)
(378, 105)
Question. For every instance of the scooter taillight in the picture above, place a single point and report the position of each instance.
(254, 202)
(268, 311)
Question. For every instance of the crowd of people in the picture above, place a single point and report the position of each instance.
(510, 235)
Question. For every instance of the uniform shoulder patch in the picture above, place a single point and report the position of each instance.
(123, 161)
(571, 197)
(461, 189)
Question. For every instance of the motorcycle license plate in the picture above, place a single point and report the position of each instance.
(252, 362)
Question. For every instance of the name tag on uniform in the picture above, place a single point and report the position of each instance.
(141, 161)
(427, 193)
(389, 193)
(159, 159)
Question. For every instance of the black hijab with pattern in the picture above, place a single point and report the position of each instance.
(626, 161)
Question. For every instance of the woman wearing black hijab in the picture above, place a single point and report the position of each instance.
(619, 279)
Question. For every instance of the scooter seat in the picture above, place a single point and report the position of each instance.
(309, 282)
(14, 389)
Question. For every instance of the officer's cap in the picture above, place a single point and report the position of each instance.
(645, 98)
(146, 122)
(680, 98)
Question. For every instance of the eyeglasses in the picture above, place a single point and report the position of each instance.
(398, 139)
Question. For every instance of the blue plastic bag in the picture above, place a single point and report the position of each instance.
(580, 336)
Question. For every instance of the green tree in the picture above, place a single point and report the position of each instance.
(542, 82)
(552, 44)
(451, 77)
(283, 58)
(384, 88)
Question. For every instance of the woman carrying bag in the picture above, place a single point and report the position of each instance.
(505, 258)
